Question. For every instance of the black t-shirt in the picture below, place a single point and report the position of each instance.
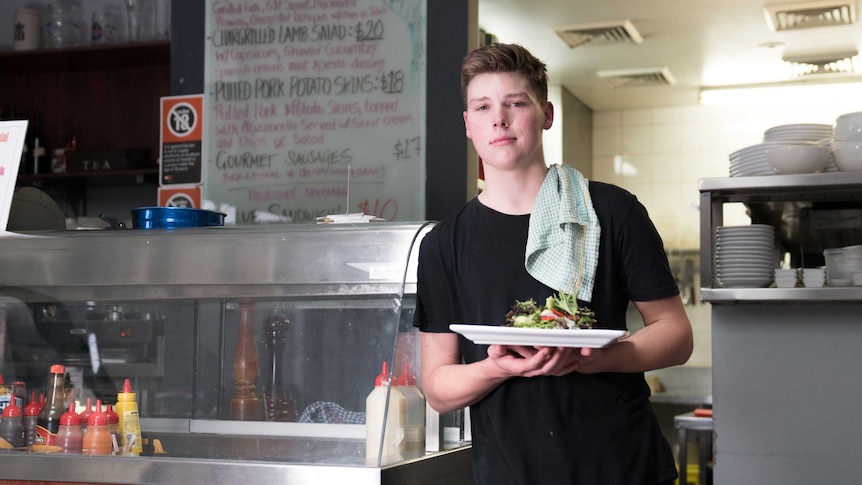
(574, 429)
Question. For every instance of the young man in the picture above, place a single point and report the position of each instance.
(544, 415)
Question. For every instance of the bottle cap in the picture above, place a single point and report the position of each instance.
(70, 417)
(98, 418)
(85, 414)
(12, 410)
(113, 417)
(127, 387)
(58, 369)
(406, 378)
(32, 408)
(1, 380)
(383, 378)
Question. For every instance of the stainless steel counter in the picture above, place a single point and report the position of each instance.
(205, 452)
(448, 467)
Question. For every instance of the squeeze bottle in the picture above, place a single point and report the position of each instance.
(97, 440)
(378, 416)
(48, 422)
(69, 436)
(415, 432)
(85, 414)
(11, 427)
(31, 414)
(130, 425)
(114, 424)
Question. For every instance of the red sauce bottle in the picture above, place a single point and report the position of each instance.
(69, 436)
(31, 414)
(97, 439)
(85, 414)
(11, 427)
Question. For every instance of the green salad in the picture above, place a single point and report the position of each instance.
(560, 311)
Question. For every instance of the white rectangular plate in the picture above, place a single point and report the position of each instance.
(537, 337)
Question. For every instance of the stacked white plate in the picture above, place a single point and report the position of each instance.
(743, 256)
(798, 132)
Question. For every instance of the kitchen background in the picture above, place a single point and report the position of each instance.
(653, 146)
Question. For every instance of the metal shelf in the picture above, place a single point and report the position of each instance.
(759, 193)
(789, 295)
(771, 184)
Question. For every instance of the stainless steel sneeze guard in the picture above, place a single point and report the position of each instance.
(348, 290)
(217, 262)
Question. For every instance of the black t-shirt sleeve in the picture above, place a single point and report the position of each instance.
(433, 306)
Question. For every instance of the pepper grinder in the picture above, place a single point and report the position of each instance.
(244, 405)
(279, 405)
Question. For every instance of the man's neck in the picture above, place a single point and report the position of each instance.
(513, 192)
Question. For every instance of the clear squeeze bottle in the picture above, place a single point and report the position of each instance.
(385, 405)
(130, 425)
(114, 424)
(415, 432)
(97, 439)
(31, 415)
(11, 427)
(48, 422)
(69, 436)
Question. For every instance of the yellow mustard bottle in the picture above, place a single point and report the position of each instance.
(130, 425)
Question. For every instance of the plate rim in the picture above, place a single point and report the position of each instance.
(605, 336)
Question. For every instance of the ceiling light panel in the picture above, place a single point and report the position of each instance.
(847, 63)
(805, 15)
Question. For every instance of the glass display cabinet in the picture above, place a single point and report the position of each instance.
(251, 349)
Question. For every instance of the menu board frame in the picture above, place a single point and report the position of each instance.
(316, 107)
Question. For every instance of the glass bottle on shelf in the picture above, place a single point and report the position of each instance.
(37, 154)
(48, 422)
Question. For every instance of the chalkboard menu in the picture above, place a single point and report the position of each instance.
(315, 107)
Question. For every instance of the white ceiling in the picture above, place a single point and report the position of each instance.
(702, 42)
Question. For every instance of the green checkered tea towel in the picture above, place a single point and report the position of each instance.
(563, 241)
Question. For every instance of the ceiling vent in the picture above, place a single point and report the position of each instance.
(827, 63)
(631, 78)
(794, 16)
(616, 32)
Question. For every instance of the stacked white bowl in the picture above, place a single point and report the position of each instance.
(847, 142)
(798, 148)
(743, 256)
(813, 277)
(786, 278)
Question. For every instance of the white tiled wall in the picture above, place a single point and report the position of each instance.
(659, 154)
